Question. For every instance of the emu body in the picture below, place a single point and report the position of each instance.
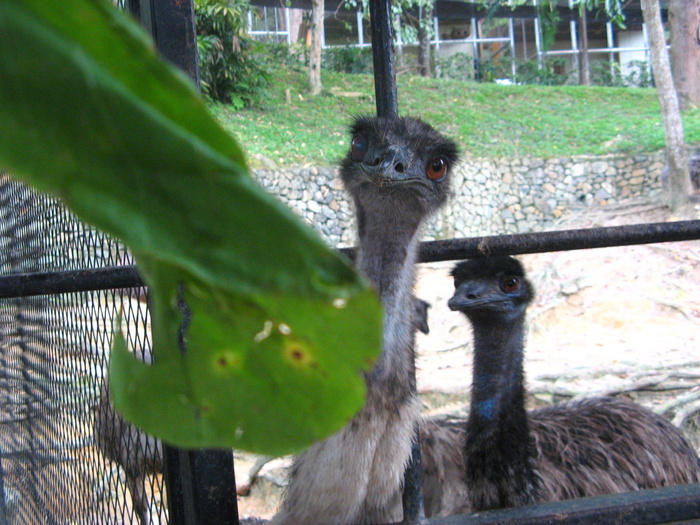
(397, 174)
(135, 451)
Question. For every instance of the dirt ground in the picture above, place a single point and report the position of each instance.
(622, 321)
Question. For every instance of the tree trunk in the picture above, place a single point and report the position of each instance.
(684, 21)
(425, 18)
(584, 76)
(317, 12)
(676, 153)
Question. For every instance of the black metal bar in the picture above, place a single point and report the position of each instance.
(134, 7)
(412, 497)
(47, 283)
(388, 106)
(178, 482)
(383, 58)
(646, 507)
(70, 281)
(201, 487)
(203, 480)
(175, 35)
(556, 241)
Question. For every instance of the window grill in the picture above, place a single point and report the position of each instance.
(62, 284)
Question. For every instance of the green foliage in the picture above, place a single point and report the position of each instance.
(612, 8)
(604, 73)
(549, 19)
(553, 72)
(348, 59)
(490, 69)
(639, 74)
(462, 66)
(283, 54)
(484, 118)
(459, 66)
(404, 21)
(610, 74)
(280, 327)
(230, 69)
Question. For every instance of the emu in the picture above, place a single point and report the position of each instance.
(503, 456)
(135, 451)
(397, 172)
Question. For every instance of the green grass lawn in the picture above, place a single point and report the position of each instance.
(486, 120)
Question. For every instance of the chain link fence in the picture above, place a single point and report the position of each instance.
(65, 457)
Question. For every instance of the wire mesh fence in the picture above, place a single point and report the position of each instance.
(64, 455)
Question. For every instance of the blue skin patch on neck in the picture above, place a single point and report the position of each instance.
(485, 408)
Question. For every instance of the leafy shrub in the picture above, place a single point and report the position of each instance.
(347, 59)
(459, 66)
(285, 54)
(610, 74)
(489, 69)
(553, 72)
(228, 65)
(639, 74)
(462, 66)
(605, 73)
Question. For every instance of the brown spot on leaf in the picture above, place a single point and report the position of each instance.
(227, 360)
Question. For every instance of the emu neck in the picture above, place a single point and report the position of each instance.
(388, 238)
(497, 386)
(499, 450)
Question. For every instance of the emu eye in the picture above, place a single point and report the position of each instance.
(358, 147)
(437, 168)
(510, 283)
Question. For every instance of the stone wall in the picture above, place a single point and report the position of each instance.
(488, 196)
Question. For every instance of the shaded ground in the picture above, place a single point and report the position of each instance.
(624, 321)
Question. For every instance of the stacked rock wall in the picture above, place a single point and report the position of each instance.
(489, 196)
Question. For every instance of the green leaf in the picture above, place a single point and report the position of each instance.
(281, 327)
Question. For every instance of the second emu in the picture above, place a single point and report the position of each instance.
(509, 457)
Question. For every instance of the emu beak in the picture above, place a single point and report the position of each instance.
(392, 167)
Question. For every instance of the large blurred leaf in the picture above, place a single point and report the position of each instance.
(281, 327)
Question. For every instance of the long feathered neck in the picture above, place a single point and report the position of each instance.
(499, 449)
(497, 382)
(388, 240)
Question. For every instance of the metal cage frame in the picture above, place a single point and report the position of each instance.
(201, 484)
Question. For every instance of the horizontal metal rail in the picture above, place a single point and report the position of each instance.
(69, 281)
(679, 504)
(558, 241)
(72, 281)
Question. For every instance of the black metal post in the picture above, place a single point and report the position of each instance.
(383, 57)
(388, 106)
(175, 35)
(201, 484)
(134, 7)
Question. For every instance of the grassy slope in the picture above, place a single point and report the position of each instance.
(485, 119)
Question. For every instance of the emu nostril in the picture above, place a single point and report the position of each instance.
(399, 167)
(471, 296)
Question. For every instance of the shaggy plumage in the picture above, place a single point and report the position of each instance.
(397, 173)
(138, 453)
(510, 458)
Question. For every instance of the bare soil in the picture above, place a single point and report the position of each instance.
(621, 321)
